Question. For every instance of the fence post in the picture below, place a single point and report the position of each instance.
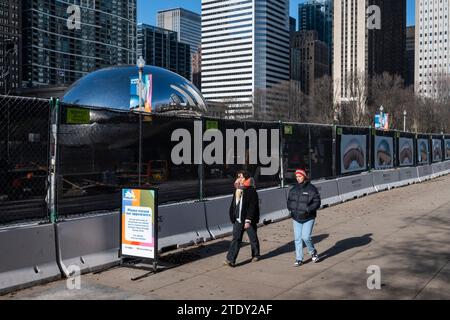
(53, 172)
(280, 151)
(201, 168)
(333, 152)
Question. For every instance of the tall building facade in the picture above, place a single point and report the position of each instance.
(432, 48)
(245, 51)
(186, 23)
(160, 47)
(10, 45)
(362, 49)
(292, 24)
(410, 48)
(60, 47)
(317, 15)
(197, 68)
(309, 59)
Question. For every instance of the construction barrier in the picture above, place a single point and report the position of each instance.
(273, 205)
(408, 176)
(182, 224)
(385, 179)
(218, 217)
(329, 192)
(352, 187)
(424, 172)
(438, 169)
(89, 243)
(27, 256)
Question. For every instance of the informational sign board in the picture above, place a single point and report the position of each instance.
(138, 223)
(78, 116)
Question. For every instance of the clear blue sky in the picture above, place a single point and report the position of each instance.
(147, 9)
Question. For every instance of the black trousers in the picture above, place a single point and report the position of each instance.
(238, 232)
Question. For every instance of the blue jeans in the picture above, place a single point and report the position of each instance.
(302, 233)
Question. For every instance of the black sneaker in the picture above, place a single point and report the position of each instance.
(315, 256)
(298, 263)
(256, 258)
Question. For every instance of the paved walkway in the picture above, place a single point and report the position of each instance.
(405, 232)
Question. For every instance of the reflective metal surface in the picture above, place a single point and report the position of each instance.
(110, 88)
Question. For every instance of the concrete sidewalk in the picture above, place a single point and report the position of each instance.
(405, 232)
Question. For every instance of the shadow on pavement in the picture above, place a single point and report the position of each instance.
(290, 247)
(346, 244)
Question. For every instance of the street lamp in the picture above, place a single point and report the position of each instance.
(140, 65)
(404, 120)
(381, 117)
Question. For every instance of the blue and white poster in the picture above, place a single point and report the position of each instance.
(422, 151)
(437, 150)
(406, 152)
(353, 153)
(384, 152)
(147, 92)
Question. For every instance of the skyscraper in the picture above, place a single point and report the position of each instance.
(292, 25)
(245, 49)
(309, 59)
(197, 68)
(10, 45)
(363, 48)
(432, 48)
(186, 23)
(59, 48)
(160, 47)
(317, 15)
(410, 44)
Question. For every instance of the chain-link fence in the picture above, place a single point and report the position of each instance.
(73, 160)
(24, 148)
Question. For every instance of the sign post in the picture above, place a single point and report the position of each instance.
(139, 225)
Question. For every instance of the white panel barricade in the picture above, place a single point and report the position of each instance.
(217, 216)
(27, 257)
(438, 169)
(329, 192)
(424, 172)
(182, 224)
(355, 186)
(385, 179)
(408, 175)
(273, 205)
(88, 243)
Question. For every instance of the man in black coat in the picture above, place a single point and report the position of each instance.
(303, 203)
(244, 215)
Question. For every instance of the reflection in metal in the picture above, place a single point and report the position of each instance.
(110, 88)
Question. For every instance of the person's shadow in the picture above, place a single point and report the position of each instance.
(344, 245)
(290, 247)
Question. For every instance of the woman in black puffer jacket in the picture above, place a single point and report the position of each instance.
(303, 203)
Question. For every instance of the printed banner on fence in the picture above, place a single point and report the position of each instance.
(406, 152)
(384, 152)
(437, 150)
(353, 153)
(447, 149)
(146, 95)
(422, 151)
(138, 218)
